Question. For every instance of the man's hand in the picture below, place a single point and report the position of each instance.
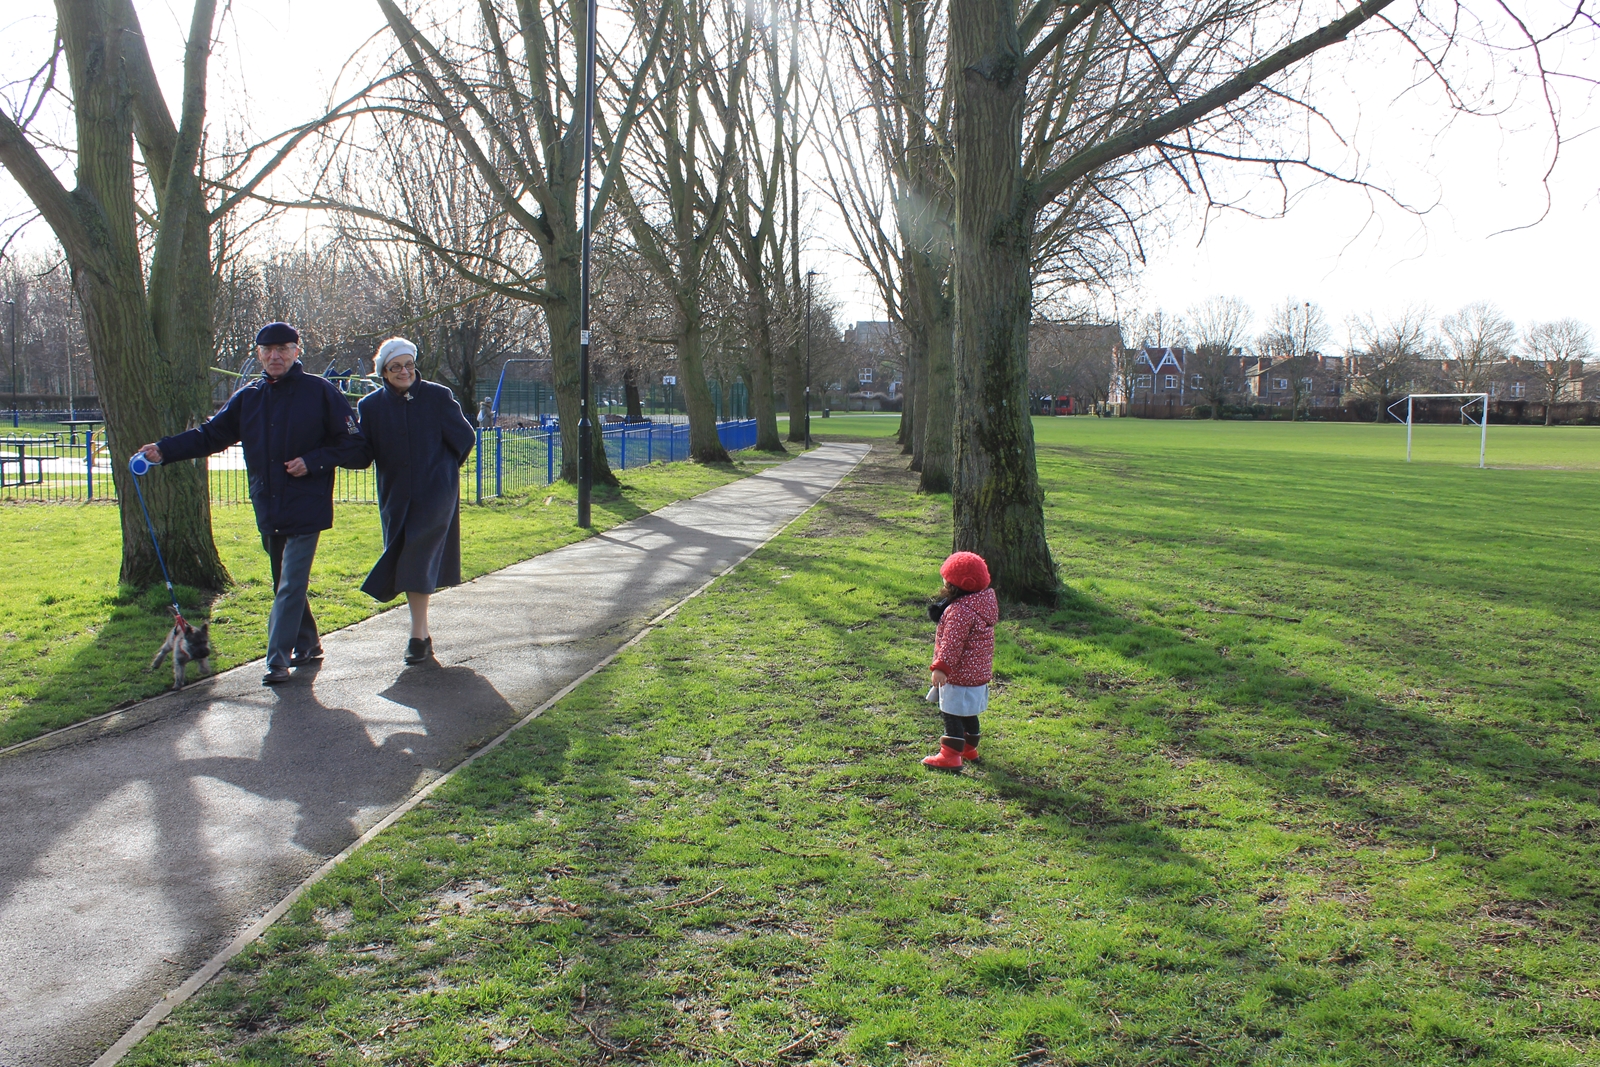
(296, 467)
(940, 678)
(151, 453)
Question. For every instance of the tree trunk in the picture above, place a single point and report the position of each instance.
(933, 309)
(630, 392)
(936, 428)
(913, 312)
(151, 350)
(763, 402)
(916, 393)
(907, 433)
(704, 444)
(998, 503)
(794, 390)
(561, 317)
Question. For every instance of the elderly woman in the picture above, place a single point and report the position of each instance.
(419, 438)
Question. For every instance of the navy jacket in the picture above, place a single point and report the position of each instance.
(297, 416)
(419, 439)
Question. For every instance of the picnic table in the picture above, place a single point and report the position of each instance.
(21, 459)
(73, 424)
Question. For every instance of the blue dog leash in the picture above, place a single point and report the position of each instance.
(140, 466)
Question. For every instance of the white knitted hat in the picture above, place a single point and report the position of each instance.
(394, 346)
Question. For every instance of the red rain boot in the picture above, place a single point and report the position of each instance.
(949, 757)
(970, 753)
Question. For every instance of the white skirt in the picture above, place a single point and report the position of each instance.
(960, 699)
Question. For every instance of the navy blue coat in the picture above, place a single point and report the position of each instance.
(419, 439)
(298, 416)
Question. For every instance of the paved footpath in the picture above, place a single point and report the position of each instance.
(133, 849)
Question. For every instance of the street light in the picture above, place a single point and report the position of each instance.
(15, 422)
(809, 275)
(585, 466)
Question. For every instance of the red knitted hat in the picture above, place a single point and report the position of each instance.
(966, 571)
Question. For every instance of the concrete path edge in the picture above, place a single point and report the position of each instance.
(198, 981)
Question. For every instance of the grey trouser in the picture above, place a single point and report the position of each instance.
(290, 628)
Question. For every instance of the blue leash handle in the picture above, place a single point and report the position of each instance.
(134, 465)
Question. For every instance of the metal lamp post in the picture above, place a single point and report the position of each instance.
(15, 422)
(809, 275)
(585, 431)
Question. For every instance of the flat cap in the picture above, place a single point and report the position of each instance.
(277, 333)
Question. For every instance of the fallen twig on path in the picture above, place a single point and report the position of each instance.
(397, 1026)
(615, 1050)
(709, 1051)
(690, 903)
(379, 879)
(794, 1045)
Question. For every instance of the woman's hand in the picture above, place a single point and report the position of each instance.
(939, 678)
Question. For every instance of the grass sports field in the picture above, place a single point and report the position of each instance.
(1304, 771)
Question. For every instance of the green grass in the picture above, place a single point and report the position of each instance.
(1304, 771)
(75, 644)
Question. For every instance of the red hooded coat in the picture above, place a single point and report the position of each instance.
(963, 645)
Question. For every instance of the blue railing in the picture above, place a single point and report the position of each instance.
(57, 467)
(514, 458)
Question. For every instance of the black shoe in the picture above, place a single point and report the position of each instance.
(419, 650)
(276, 676)
(306, 660)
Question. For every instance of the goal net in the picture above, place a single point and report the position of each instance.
(1479, 401)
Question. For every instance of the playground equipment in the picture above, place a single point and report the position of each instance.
(494, 411)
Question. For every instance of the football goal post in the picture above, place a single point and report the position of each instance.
(1482, 420)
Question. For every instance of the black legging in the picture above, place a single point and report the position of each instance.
(962, 726)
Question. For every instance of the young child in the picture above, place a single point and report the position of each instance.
(963, 655)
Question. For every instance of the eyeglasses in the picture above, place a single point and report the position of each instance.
(387, 367)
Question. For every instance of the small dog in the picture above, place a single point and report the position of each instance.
(188, 644)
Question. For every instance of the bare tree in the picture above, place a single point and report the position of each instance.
(1219, 327)
(52, 356)
(889, 168)
(1073, 359)
(1557, 350)
(138, 232)
(1158, 328)
(757, 232)
(514, 114)
(1384, 356)
(1190, 82)
(679, 194)
(633, 316)
(1295, 334)
(1477, 340)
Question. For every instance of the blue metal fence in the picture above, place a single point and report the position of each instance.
(511, 459)
(65, 467)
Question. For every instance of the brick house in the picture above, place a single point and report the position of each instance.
(1154, 382)
(1316, 380)
(1167, 382)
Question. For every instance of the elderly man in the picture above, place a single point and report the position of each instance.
(295, 428)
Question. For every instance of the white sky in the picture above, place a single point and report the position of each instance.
(1348, 250)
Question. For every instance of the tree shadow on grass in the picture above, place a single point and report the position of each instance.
(1367, 764)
